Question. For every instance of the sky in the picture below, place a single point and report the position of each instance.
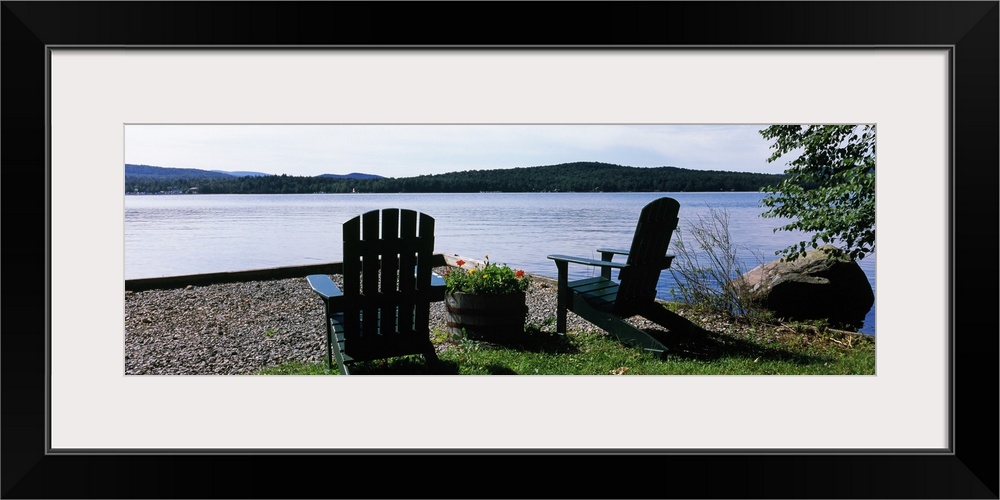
(412, 150)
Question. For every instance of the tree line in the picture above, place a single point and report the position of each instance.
(569, 177)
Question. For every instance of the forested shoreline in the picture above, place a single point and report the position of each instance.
(569, 177)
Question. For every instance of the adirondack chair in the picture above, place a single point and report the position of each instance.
(606, 303)
(384, 309)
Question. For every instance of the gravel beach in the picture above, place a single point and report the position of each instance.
(240, 328)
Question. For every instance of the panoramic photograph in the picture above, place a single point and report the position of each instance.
(514, 249)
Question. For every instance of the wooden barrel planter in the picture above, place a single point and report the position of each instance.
(488, 317)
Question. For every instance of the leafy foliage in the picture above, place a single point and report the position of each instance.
(491, 278)
(829, 189)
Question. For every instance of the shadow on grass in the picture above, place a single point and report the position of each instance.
(537, 341)
(534, 340)
(499, 370)
(686, 340)
(682, 338)
(406, 365)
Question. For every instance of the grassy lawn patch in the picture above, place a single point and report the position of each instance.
(724, 348)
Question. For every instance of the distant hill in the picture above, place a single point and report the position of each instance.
(566, 177)
(581, 177)
(242, 173)
(133, 172)
(352, 175)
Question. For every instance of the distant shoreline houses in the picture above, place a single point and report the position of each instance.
(190, 190)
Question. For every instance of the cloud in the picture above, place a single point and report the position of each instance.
(409, 150)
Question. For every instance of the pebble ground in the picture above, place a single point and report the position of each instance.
(241, 328)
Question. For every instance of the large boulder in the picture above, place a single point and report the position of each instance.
(813, 286)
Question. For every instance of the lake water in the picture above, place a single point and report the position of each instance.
(169, 235)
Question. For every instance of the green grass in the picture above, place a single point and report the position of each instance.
(299, 368)
(735, 349)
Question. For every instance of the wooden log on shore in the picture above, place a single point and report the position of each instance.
(275, 273)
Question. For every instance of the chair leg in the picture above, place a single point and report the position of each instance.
(561, 319)
(433, 362)
(631, 335)
(562, 290)
(669, 319)
(335, 329)
(341, 362)
(329, 348)
(622, 330)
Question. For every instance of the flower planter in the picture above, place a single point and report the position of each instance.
(486, 316)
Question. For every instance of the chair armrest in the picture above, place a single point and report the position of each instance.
(325, 288)
(588, 262)
(612, 251)
(607, 253)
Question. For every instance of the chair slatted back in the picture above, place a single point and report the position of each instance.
(648, 255)
(387, 277)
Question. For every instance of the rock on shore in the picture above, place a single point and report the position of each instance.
(814, 286)
(241, 328)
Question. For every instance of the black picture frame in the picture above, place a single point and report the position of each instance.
(970, 29)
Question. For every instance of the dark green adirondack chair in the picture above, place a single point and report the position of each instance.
(384, 309)
(606, 303)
